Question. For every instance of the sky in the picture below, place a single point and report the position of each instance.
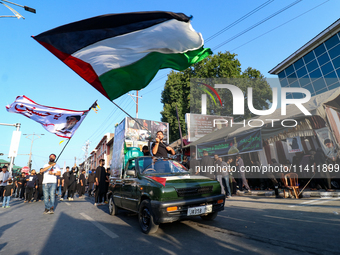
(27, 68)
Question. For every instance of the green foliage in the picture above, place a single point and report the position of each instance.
(177, 90)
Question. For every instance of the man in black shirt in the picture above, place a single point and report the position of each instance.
(82, 183)
(91, 181)
(160, 149)
(65, 183)
(100, 183)
(39, 192)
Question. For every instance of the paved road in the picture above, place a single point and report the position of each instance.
(248, 225)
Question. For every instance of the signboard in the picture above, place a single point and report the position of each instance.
(294, 144)
(199, 125)
(241, 143)
(13, 150)
(134, 134)
(25, 169)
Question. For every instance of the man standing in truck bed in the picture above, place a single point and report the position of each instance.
(159, 148)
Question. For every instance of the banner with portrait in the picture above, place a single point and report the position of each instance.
(294, 144)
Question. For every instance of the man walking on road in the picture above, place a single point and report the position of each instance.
(65, 183)
(91, 181)
(51, 171)
(100, 182)
(5, 176)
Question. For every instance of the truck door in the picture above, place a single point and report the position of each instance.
(129, 188)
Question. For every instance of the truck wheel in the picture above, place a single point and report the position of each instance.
(113, 209)
(146, 218)
(210, 216)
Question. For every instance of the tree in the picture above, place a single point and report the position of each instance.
(184, 90)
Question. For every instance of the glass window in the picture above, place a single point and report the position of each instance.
(289, 70)
(304, 81)
(289, 96)
(327, 68)
(315, 74)
(319, 84)
(336, 63)
(319, 50)
(335, 52)
(331, 78)
(309, 57)
(321, 91)
(282, 74)
(298, 64)
(312, 66)
(310, 88)
(295, 84)
(335, 85)
(331, 42)
(323, 59)
(298, 95)
(291, 78)
(338, 72)
(284, 82)
(301, 72)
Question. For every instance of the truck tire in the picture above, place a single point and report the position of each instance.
(210, 216)
(146, 218)
(113, 209)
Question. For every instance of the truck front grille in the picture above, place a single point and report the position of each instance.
(185, 192)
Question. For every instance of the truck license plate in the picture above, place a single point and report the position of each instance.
(199, 210)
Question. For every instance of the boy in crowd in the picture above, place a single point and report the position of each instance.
(8, 192)
(31, 183)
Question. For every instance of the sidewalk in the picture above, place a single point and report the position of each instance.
(306, 193)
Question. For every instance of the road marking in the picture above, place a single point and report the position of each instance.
(67, 203)
(315, 202)
(101, 227)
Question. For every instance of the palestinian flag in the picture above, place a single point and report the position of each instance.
(117, 53)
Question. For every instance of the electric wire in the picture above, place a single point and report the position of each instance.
(257, 24)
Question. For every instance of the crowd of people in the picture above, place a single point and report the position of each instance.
(48, 184)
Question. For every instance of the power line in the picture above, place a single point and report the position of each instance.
(257, 24)
(239, 20)
(281, 25)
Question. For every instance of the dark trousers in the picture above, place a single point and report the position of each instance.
(70, 193)
(100, 193)
(65, 188)
(90, 188)
(2, 191)
(22, 192)
(29, 193)
(81, 190)
(38, 193)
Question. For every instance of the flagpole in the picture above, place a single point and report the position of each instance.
(92, 106)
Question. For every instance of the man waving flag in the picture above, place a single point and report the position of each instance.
(117, 53)
(62, 122)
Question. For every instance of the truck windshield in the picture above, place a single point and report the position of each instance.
(160, 166)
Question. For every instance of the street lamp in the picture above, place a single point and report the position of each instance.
(28, 135)
(16, 14)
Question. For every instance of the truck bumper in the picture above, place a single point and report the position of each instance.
(161, 215)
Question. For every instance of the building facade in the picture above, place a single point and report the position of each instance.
(315, 66)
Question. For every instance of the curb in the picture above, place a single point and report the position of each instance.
(305, 194)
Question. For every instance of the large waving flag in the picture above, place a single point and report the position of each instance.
(62, 122)
(117, 53)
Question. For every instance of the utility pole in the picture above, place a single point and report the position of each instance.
(136, 101)
(29, 164)
(86, 150)
(12, 154)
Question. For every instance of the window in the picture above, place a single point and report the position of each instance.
(319, 84)
(335, 85)
(336, 62)
(321, 91)
(319, 50)
(284, 82)
(289, 96)
(282, 74)
(298, 64)
(331, 78)
(312, 66)
(304, 81)
(289, 70)
(309, 57)
(295, 84)
(292, 78)
(327, 68)
(323, 59)
(331, 42)
(316, 74)
(301, 72)
(298, 95)
(335, 52)
(310, 88)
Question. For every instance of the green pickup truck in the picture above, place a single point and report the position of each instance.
(161, 190)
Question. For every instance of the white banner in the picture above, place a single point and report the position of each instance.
(13, 149)
(327, 142)
(294, 144)
(62, 122)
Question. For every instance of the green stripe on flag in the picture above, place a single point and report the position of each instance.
(138, 75)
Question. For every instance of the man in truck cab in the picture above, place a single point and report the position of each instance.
(159, 148)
